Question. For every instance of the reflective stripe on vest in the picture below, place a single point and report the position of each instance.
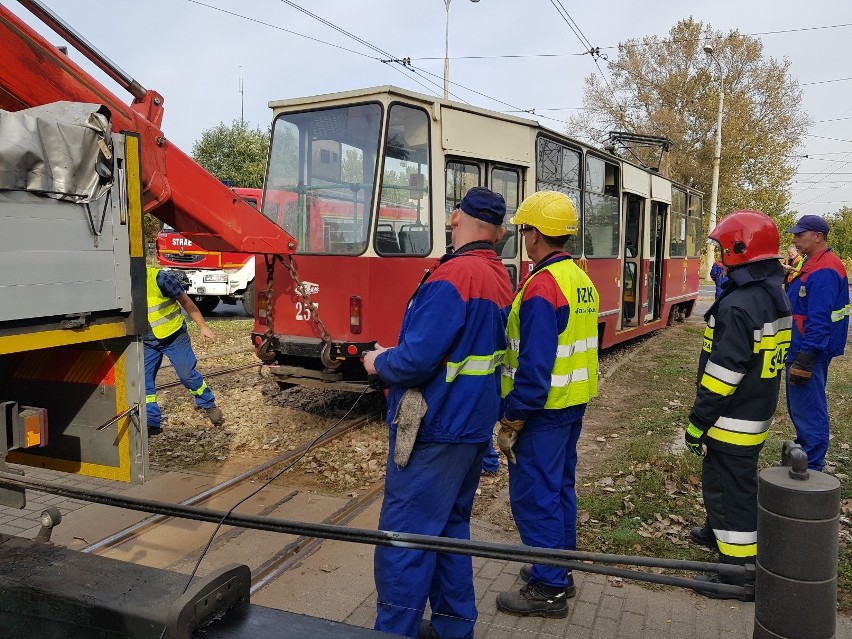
(574, 378)
(164, 314)
(474, 365)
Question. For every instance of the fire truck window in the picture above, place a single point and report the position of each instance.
(322, 168)
(404, 224)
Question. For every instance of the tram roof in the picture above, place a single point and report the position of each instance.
(388, 89)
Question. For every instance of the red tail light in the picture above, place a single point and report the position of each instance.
(355, 314)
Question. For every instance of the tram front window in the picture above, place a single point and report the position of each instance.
(322, 167)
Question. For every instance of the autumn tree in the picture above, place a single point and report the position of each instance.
(670, 87)
(236, 153)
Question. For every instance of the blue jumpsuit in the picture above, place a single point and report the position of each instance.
(819, 297)
(178, 348)
(450, 346)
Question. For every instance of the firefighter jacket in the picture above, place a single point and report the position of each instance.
(551, 357)
(742, 359)
(450, 346)
(164, 316)
(819, 297)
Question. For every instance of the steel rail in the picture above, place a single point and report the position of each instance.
(572, 559)
(222, 371)
(138, 528)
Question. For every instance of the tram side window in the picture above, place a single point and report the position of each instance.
(694, 230)
(321, 172)
(677, 224)
(601, 213)
(461, 177)
(558, 169)
(404, 224)
(506, 182)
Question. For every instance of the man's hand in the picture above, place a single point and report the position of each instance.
(694, 439)
(800, 369)
(507, 434)
(206, 333)
(370, 359)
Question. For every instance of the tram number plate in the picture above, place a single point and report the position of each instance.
(303, 311)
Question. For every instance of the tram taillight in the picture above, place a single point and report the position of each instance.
(355, 314)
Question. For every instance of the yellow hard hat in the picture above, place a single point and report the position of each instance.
(551, 212)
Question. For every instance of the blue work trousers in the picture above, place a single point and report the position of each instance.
(491, 462)
(432, 495)
(541, 486)
(808, 408)
(180, 354)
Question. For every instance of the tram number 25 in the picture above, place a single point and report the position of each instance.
(303, 311)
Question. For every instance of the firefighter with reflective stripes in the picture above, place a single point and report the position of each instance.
(739, 380)
(819, 295)
(549, 374)
(443, 378)
(167, 335)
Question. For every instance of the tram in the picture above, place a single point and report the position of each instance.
(366, 180)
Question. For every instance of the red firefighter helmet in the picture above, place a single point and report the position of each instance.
(746, 236)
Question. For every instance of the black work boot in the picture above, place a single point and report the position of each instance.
(525, 573)
(703, 536)
(427, 631)
(534, 600)
(214, 414)
(714, 579)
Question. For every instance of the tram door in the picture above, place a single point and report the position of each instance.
(657, 223)
(632, 259)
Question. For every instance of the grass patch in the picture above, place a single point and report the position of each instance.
(647, 495)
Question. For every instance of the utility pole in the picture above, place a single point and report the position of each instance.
(717, 159)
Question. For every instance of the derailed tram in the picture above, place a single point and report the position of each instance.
(366, 181)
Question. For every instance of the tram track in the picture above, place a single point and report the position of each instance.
(134, 531)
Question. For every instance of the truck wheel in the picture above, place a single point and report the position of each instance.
(205, 303)
(248, 299)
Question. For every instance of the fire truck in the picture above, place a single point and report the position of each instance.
(214, 276)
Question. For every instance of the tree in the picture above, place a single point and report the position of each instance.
(669, 87)
(235, 153)
(840, 233)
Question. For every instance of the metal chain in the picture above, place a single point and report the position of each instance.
(265, 351)
(325, 335)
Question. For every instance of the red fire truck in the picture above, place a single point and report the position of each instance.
(214, 276)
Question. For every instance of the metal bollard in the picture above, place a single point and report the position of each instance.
(797, 543)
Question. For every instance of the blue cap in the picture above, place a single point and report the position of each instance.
(810, 223)
(484, 204)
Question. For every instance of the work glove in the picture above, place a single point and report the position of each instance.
(694, 439)
(507, 434)
(800, 369)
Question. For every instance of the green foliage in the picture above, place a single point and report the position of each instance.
(670, 87)
(234, 152)
(840, 235)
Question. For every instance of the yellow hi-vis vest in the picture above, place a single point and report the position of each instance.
(574, 378)
(164, 314)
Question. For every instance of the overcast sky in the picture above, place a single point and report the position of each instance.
(192, 54)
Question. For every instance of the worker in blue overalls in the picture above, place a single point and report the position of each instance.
(167, 335)
(549, 374)
(444, 397)
(819, 295)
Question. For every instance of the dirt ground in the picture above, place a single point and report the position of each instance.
(262, 422)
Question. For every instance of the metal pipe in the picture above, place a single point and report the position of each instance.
(67, 32)
(566, 558)
(717, 159)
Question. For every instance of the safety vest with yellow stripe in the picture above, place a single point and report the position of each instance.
(164, 314)
(574, 378)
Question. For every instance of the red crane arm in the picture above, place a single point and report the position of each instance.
(175, 188)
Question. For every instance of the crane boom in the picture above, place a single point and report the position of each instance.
(175, 188)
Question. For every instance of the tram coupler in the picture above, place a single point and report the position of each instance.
(49, 519)
(50, 591)
(798, 529)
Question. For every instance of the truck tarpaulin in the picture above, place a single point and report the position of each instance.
(62, 150)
